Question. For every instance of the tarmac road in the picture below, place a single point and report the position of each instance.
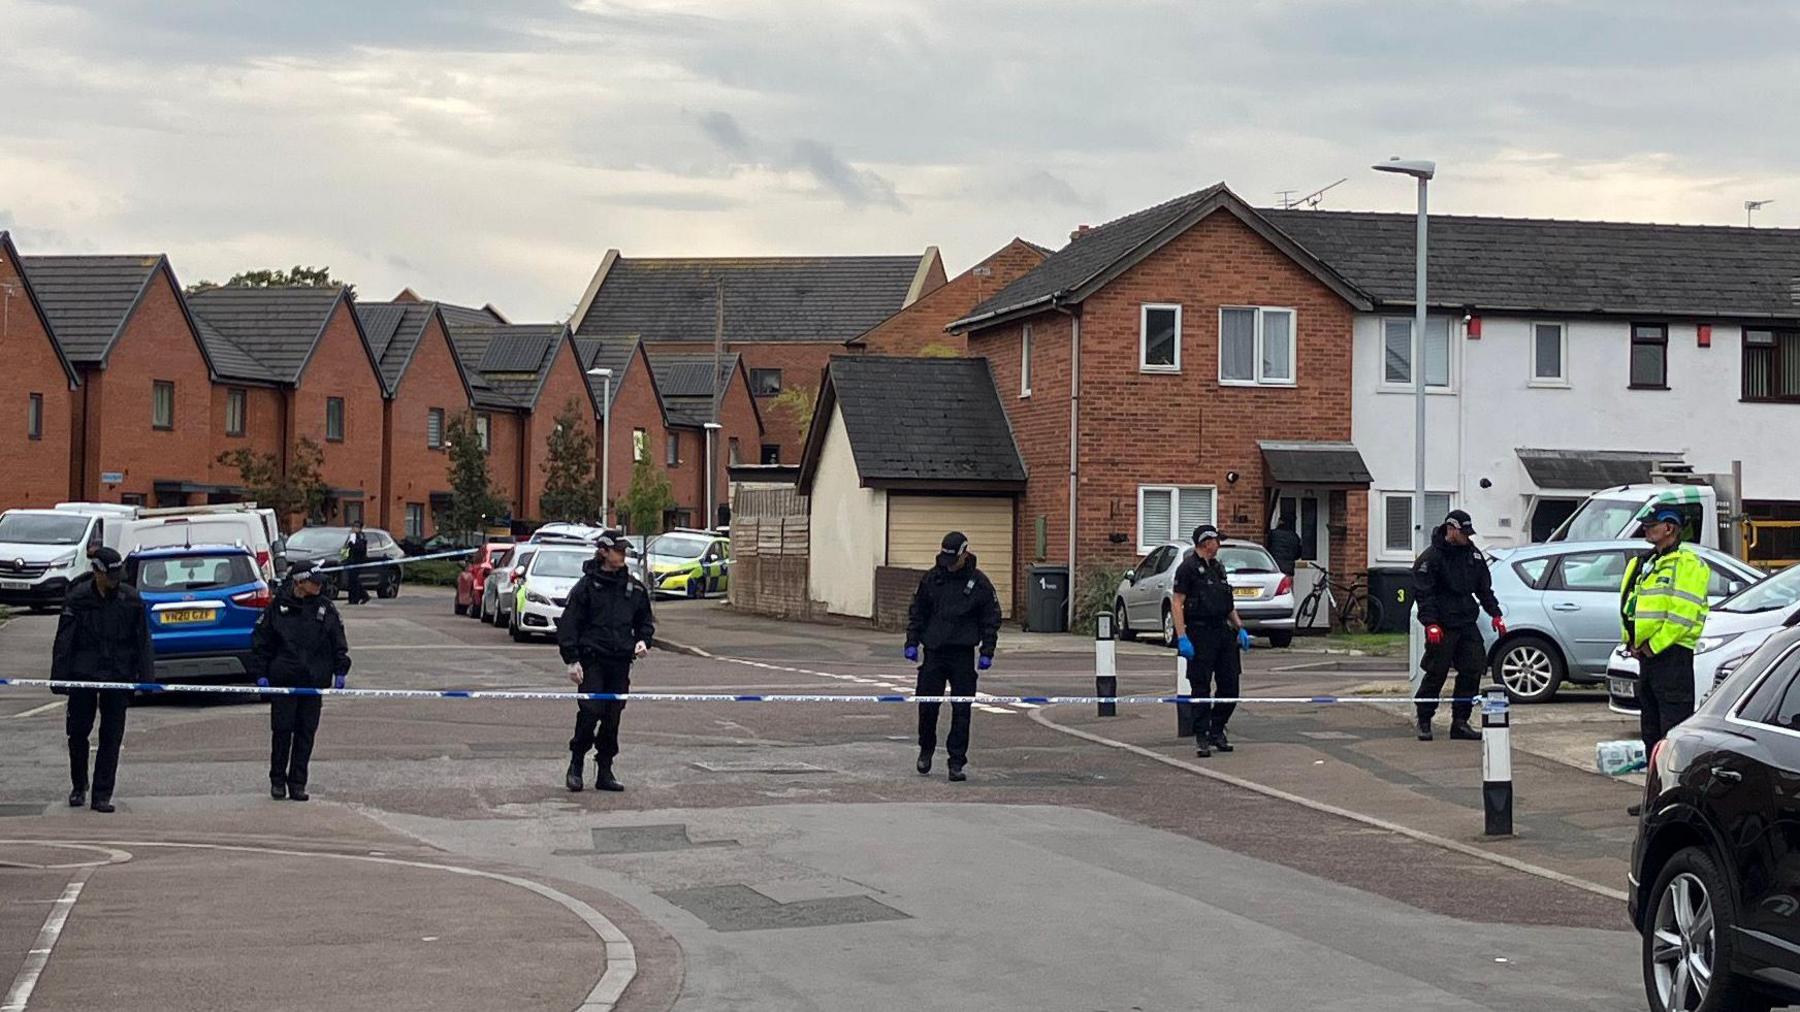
(787, 857)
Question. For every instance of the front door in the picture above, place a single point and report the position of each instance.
(1306, 510)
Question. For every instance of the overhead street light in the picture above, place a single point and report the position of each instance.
(712, 432)
(605, 442)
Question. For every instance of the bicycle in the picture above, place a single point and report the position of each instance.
(1356, 612)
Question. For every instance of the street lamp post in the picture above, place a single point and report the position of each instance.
(1422, 171)
(605, 375)
(712, 433)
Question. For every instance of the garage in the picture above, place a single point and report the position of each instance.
(917, 525)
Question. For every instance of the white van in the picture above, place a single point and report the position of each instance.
(42, 550)
(224, 524)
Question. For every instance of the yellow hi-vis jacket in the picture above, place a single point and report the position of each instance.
(1663, 600)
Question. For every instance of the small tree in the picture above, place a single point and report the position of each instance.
(315, 277)
(939, 349)
(473, 498)
(797, 403)
(571, 492)
(301, 491)
(647, 500)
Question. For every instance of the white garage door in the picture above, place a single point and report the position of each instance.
(917, 525)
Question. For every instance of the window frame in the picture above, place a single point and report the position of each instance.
(237, 400)
(1387, 551)
(1561, 380)
(1258, 378)
(734, 451)
(1144, 546)
(1775, 364)
(34, 416)
(756, 391)
(766, 451)
(1631, 352)
(434, 415)
(411, 532)
(672, 455)
(1144, 364)
(1389, 386)
(157, 390)
(343, 420)
(640, 445)
(484, 429)
(1025, 361)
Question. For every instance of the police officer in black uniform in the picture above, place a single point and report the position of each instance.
(298, 643)
(355, 554)
(954, 612)
(605, 627)
(1453, 587)
(102, 636)
(1212, 636)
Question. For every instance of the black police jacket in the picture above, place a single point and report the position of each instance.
(1206, 595)
(102, 637)
(356, 550)
(607, 616)
(954, 608)
(299, 642)
(1452, 584)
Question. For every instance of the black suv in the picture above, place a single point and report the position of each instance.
(1715, 873)
(324, 546)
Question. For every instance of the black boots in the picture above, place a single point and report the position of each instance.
(78, 797)
(573, 780)
(1461, 731)
(924, 763)
(957, 775)
(1220, 743)
(604, 781)
(1202, 748)
(297, 792)
(102, 803)
(1423, 726)
(278, 789)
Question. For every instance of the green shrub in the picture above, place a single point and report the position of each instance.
(1096, 592)
(433, 572)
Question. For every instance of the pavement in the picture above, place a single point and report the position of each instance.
(772, 856)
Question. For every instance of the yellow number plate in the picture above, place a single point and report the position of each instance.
(185, 616)
(1246, 592)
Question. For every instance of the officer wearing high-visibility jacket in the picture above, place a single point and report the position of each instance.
(1662, 604)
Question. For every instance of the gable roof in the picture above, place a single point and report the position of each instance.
(269, 334)
(506, 364)
(942, 300)
(1101, 254)
(395, 330)
(666, 299)
(90, 299)
(615, 353)
(1525, 264)
(926, 424)
(11, 253)
(684, 384)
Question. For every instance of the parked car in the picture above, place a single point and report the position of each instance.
(1265, 595)
(544, 590)
(473, 578)
(565, 532)
(204, 601)
(686, 563)
(1561, 602)
(325, 545)
(41, 551)
(169, 526)
(1735, 628)
(499, 593)
(1713, 888)
(439, 543)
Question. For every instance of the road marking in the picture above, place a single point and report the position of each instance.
(34, 711)
(891, 687)
(1396, 828)
(621, 955)
(35, 960)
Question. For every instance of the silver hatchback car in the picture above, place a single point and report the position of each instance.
(1265, 595)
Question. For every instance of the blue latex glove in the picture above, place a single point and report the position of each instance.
(985, 662)
(1244, 640)
(262, 683)
(337, 682)
(912, 653)
(1185, 647)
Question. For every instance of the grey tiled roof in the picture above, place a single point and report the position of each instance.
(690, 375)
(1567, 266)
(1590, 470)
(766, 298)
(87, 298)
(394, 330)
(615, 353)
(274, 328)
(923, 420)
(517, 389)
(229, 360)
(1314, 463)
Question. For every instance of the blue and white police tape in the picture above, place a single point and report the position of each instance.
(707, 697)
(334, 566)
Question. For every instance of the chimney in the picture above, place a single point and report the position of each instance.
(1080, 230)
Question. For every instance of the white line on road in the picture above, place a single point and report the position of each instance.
(34, 711)
(39, 956)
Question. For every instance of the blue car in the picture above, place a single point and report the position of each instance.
(204, 602)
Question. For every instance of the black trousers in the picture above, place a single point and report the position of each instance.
(294, 721)
(354, 585)
(1665, 693)
(1214, 670)
(596, 721)
(952, 667)
(78, 723)
(1462, 649)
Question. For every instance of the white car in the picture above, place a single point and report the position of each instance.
(543, 592)
(1265, 595)
(1734, 629)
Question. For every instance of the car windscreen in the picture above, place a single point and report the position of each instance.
(43, 529)
(1246, 560)
(559, 564)
(1779, 591)
(192, 572)
(680, 548)
(1599, 520)
(318, 539)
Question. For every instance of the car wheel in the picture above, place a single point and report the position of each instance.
(1169, 636)
(517, 632)
(693, 590)
(1690, 932)
(1529, 668)
(486, 616)
(388, 589)
(1281, 639)
(1121, 621)
(458, 606)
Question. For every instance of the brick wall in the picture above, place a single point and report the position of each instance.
(33, 472)
(687, 479)
(801, 365)
(921, 324)
(894, 589)
(505, 429)
(415, 469)
(634, 406)
(566, 384)
(264, 428)
(340, 367)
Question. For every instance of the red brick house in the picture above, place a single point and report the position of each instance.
(426, 389)
(139, 422)
(785, 315)
(919, 328)
(38, 389)
(636, 411)
(293, 362)
(685, 384)
(1187, 363)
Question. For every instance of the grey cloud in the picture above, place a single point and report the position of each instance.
(856, 187)
(722, 129)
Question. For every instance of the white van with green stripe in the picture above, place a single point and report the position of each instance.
(1620, 512)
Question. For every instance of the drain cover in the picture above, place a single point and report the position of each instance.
(1330, 736)
(759, 766)
(741, 908)
(643, 840)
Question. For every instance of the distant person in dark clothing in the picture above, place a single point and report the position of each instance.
(606, 625)
(1284, 545)
(102, 636)
(1453, 587)
(954, 613)
(355, 553)
(1212, 635)
(298, 643)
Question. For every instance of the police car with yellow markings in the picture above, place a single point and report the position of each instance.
(687, 563)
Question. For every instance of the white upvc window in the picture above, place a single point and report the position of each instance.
(1549, 355)
(1256, 346)
(1396, 352)
(1159, 337)
(1025, 361)
(1171, 512)
(1397, 519)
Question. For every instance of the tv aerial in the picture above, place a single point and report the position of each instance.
(1311, 201)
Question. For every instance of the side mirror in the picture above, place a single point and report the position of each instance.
(1131, 577)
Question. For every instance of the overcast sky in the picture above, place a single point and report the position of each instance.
(478, 156)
